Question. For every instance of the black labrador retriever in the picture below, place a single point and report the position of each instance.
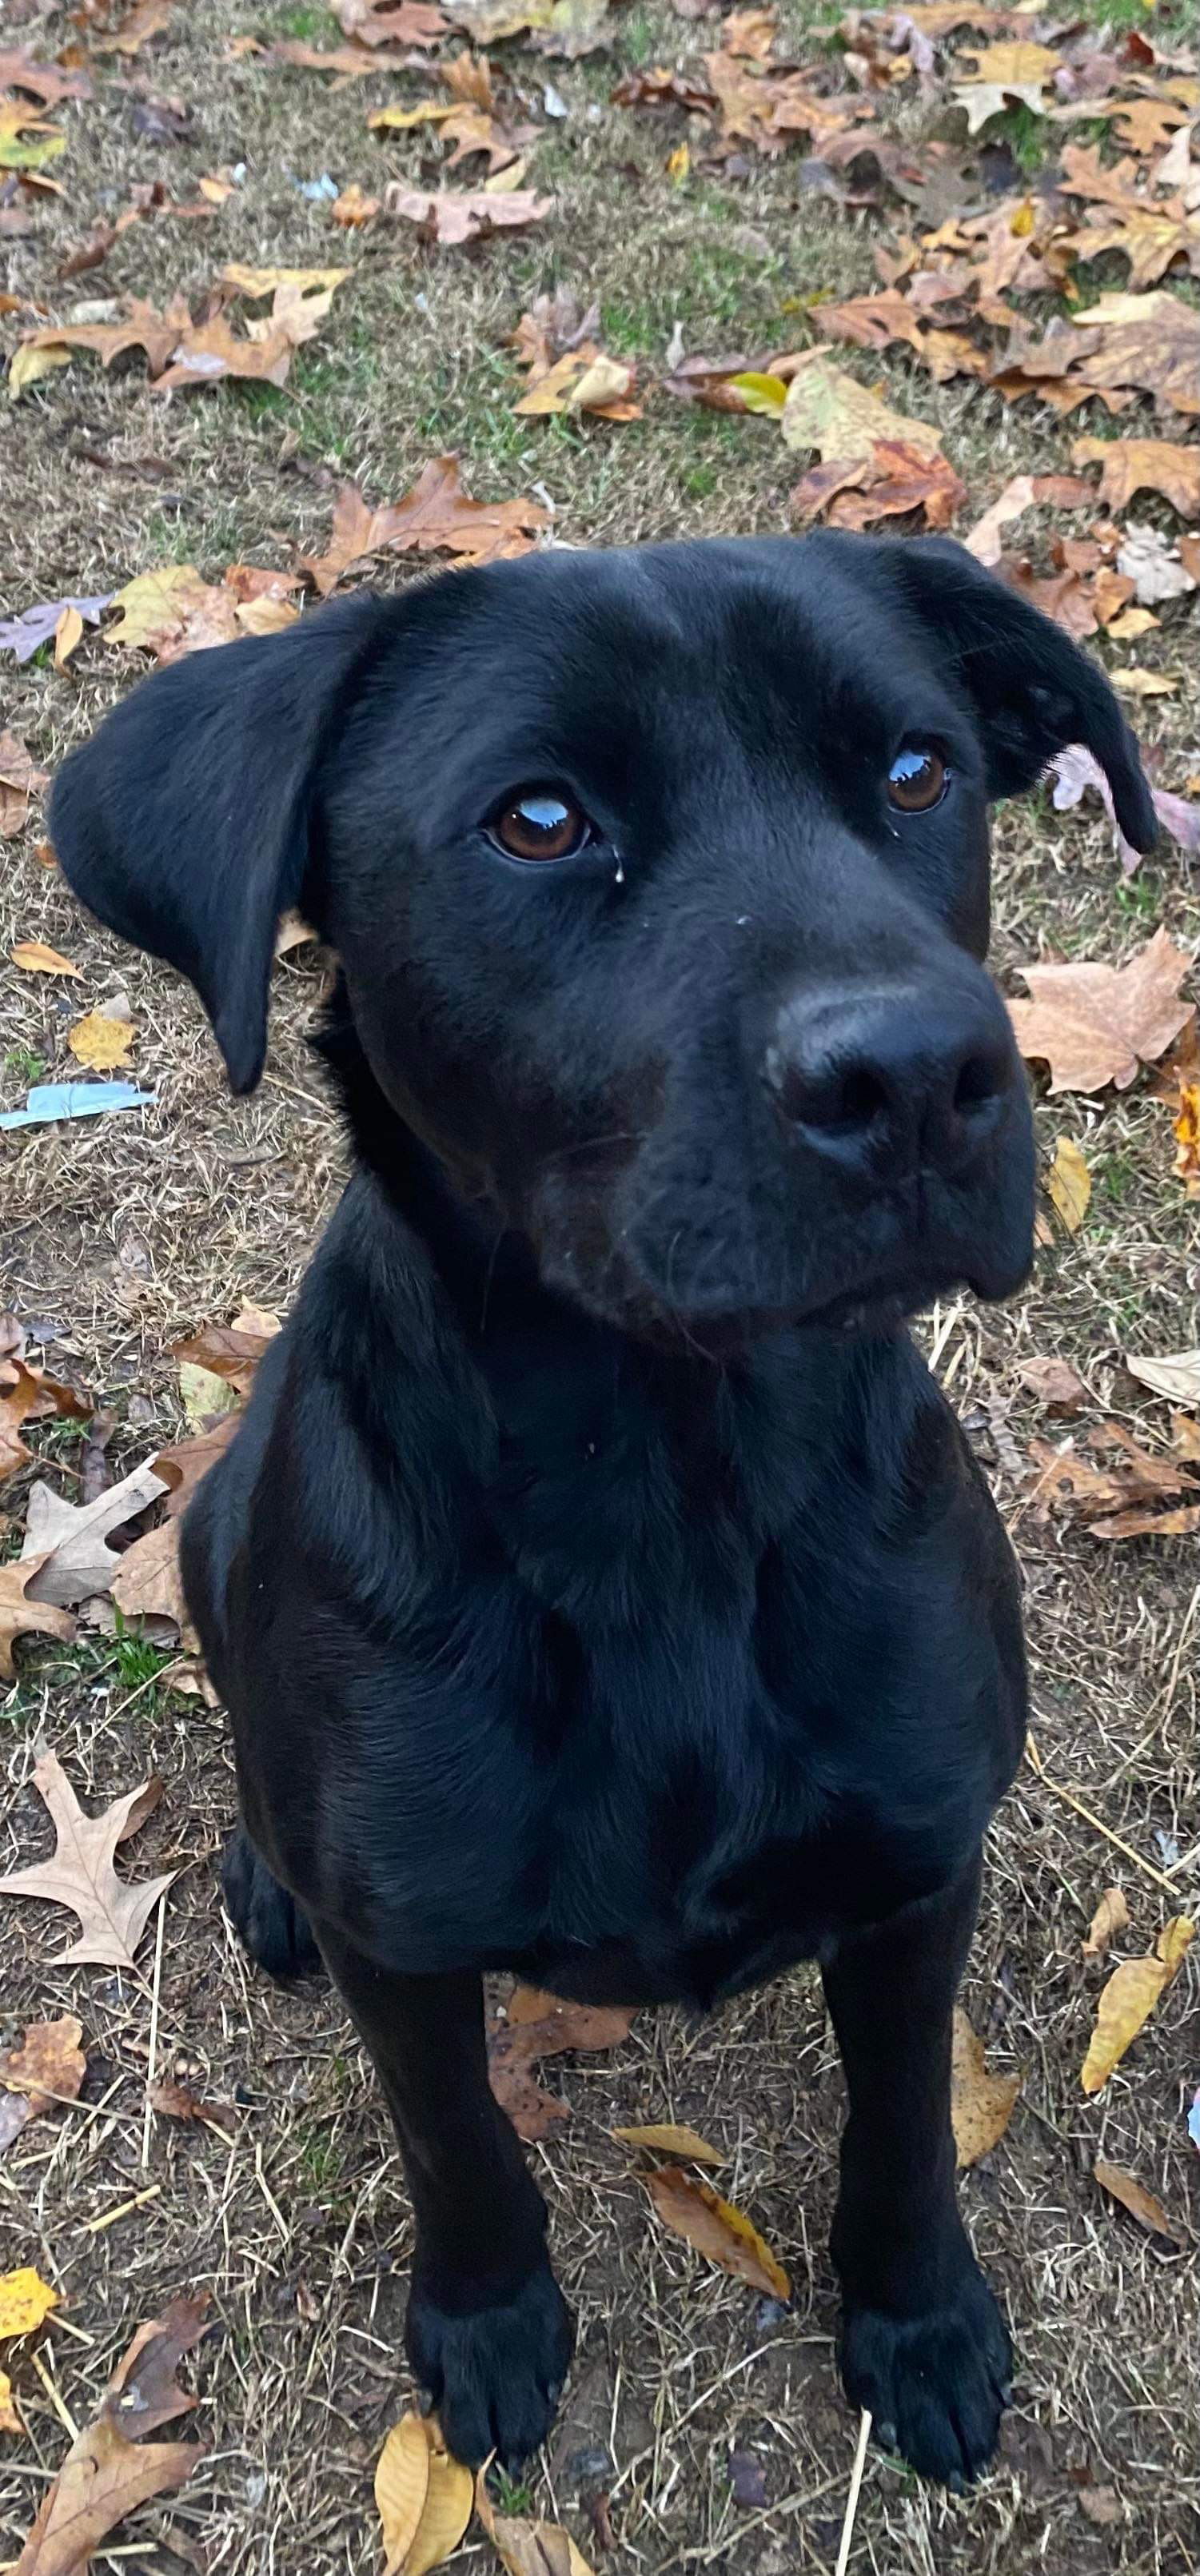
(599, 1585)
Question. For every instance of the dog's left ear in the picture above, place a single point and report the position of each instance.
(1033, 690)
(188, 822)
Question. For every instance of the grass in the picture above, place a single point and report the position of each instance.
(125, 1235)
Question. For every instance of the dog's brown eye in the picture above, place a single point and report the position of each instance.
(541, 825)
(916, 779)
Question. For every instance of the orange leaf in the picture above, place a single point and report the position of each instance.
(718, 2230)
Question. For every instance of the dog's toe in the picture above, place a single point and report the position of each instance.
(494, 2374)
(935, 2384)
(269, 1923)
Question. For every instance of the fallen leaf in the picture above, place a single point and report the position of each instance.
(178, 2102)
(101, 1042)
(669, 2139)
(831, 411)
(21, 1617)
(1138, 683)
(46, 2067)
(10, 2413)
(1096, 1024)
(1023, 492)
(583, 379)
(34, 958)
(1004, 72)
(187, 1461)
(527, 2548)
(1055, 1383)
(171, 611)
(26, 634)
(981, 2105)
(1152, 564)
(1111, 1916)
(148, 1583)
(70, 1540)
(1069, 1183)
(1132, 465)
(719, 2231)
(230, 1352)
(113, 1914)
(1177, 1376)
(1069, 1481)
(387, 22)
(143, 2391)
(1140, 2203)
(25, 2301)
(27, 142)
(104, 2477)
(47, 82)
(423, 2495)
(436, 517)
(19, 780)
(1185, 1127)
(1129, 1998)
(147, 19)
(541, 2025)
(354, 208)
(451, 216)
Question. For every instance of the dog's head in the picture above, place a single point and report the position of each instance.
(660, 883)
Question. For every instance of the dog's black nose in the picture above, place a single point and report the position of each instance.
(889, 1082)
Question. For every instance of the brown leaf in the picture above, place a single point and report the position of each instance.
(451, 216)
(388, 22)
(19, 780)
(173, 610)
(70, 1540)
(1129, 1998)
(719, 2231)
(1101, 2505)
(540, 2025)
(1023, 492)
(178, 2102)
(1068, 1481)
(1004, 72)
(80, 1875)
(149, 1585)
(668, 2138)
(981, 2104)
(47, 82)
(1140, 2203)
(424, 2497)
(1134, 465)
(185, 1462)
(21, 1617)
(1176, 1375)
(34, 958)
(1055, 1383)
(147, 19)
(1096, 1024)
(47, 2067)
(231, 1351)
(1111, 1916)
(354, 208)
(102, 2479)
(527, 2548)
(143, 2391)
(436, 517)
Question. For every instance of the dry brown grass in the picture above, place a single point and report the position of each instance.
(119, 1234)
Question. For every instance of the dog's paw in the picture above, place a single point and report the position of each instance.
(494, 2375)
(936, 2385)
(268, 1922)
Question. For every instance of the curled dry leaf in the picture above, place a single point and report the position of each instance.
(1140, 2203)
(717, 2229)
(112, 1914)
(1111, 1916)
(47, 2066)
(981, 2104)
(1055, 1383)
(1129, 1998)
(669, 2138)
(143, 2391)
(451, 216)
(424, 2497)
(1096, 1024)
(230, 1351)
(178, 2102)
(187, 1461)
(104, 2476)
(528, 2548)
(25, 2301)
(148, 1584)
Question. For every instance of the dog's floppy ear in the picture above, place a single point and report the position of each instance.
(1034, 691)
(185, 822)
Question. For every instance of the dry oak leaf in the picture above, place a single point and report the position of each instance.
(1129, 1998)
(1140, 2203)
(1150, 342)
(527, 2548)
(1098, 1024)
(21, 1617)
(436, 517)
(101, 1042)
(70, 1540)
(80, 1875)
(25, 2301)
(1177, 1376)
(1002, 73)
(47, 2066)
(148, 1583)
(451, 216)
(1068, 1481)
(1111, 1916)
(1023, 492)
(1132, 465)
(981, 2105)
(19, 780)
(718, 2230)
(832, 412)
(47, 82)
(231, 1351)
(147, 19)
(670, 2138)
(424, 2497)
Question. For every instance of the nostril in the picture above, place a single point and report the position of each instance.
(979, 1081)
(862, 1098)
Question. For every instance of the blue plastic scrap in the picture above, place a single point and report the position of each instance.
(50, 1100)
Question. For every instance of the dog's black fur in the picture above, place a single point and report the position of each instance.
(599, 1585)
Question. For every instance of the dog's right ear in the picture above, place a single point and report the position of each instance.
(185, 823)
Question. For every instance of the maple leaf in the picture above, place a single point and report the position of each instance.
(436, 517)
(100, 1041)
(112, 1913)
(1134, 465)
(451, 216)
(21, 1617)
(1096, 1024)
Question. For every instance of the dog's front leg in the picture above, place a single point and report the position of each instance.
(923, 2343)
(489, 2334)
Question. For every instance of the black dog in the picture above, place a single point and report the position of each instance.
(599, 1585)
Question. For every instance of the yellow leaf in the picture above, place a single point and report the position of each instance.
(149, 602)
(761, 393)
(1069, 1183)
(718, 2230)
(34, 958)
(678, 165)
(25, 2301)
(672, 2140)
(1129, 1999)
(267, 281)
(528, 2548)
(981, 2105)
(1111, 1916)
(605, 380)
(430, 112)
(27, 364)
(204, 1395)
(101, 1042)
(1024, 220)
(1136, 683)
(266, 616)
(10, 2418)
(423, 2495)
(68, 636)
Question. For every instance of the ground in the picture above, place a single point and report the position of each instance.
(121, 1234)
